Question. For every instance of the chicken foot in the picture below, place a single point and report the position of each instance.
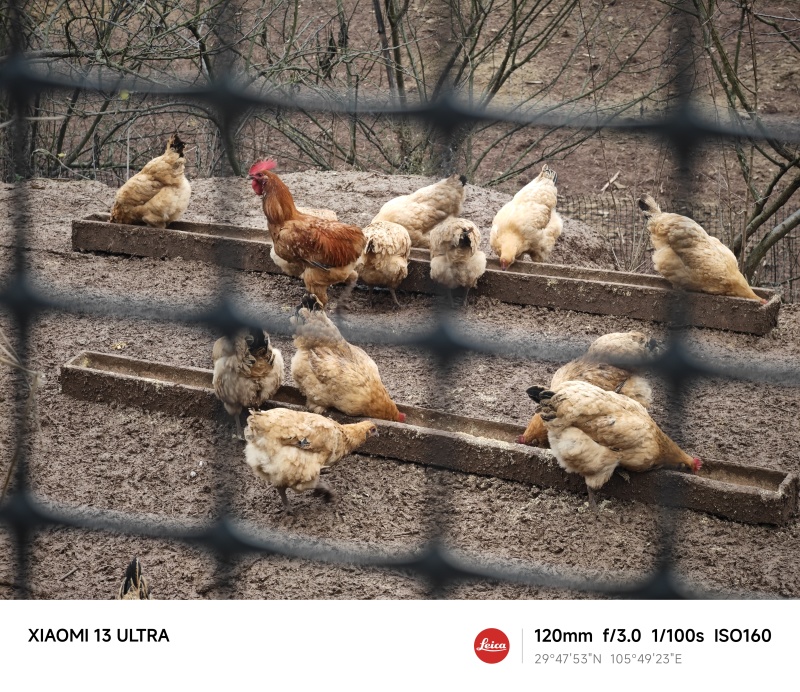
(398, 306)
(324, 491)
(394, 298)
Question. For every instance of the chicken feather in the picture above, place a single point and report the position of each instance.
(456, 260)
(420, 211)
(289, 448)
(593, 367)
(333, 373)
(134, 587)
(691, 259)
(159, 193)
(592, 432)
(528, 223)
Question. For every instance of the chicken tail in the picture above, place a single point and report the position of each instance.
(548, 172)
(535, 392)
(463, 179)
(648, 206)
(310, 302)
(546, 410)
(176, 144)
(259, 340)
(135, 585)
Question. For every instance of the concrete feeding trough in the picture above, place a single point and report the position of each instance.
(596, 291)
(743, 493)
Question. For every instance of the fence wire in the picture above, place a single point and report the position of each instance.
(618, 219)
(228, 538)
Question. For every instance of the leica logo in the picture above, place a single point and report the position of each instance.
(486, 645)
(491, 645)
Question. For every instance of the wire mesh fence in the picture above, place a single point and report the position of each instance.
(434, 562)
(619, 221)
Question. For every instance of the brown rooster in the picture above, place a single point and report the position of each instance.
(327, 249)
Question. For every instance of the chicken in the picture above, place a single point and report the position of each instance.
(288, 448)
(689, 258)
(159, 193)
(420, 211)
(592, 431)
(327, 249)
(385, 258)
(593, 367)
(296, 269)
(135, 586)
(332, 373)
(455, 257)
(529, 222)
(247, 372)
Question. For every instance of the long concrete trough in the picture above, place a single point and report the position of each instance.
(596, 291)
(733, 491)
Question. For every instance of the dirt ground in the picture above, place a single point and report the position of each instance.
(98, 455)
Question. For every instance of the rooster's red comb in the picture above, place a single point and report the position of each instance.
(261, 166)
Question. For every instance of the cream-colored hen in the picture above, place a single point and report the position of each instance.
(332, 373)
(593, 367)
(289, 448)
(159, 193)
(592, 431)
(528, 223)
(247, 372)
(384, 261)
(691, 259)
(456, 260)
(420, 211)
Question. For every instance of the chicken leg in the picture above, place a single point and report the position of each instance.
(592, 501)
(284, 499)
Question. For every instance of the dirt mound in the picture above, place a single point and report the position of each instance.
(357, 197)
(104, 456)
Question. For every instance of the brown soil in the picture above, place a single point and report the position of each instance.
(95, 455)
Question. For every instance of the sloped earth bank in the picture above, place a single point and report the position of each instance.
(98, 455)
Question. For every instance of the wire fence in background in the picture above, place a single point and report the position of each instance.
(618, 219)
(435, 562)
